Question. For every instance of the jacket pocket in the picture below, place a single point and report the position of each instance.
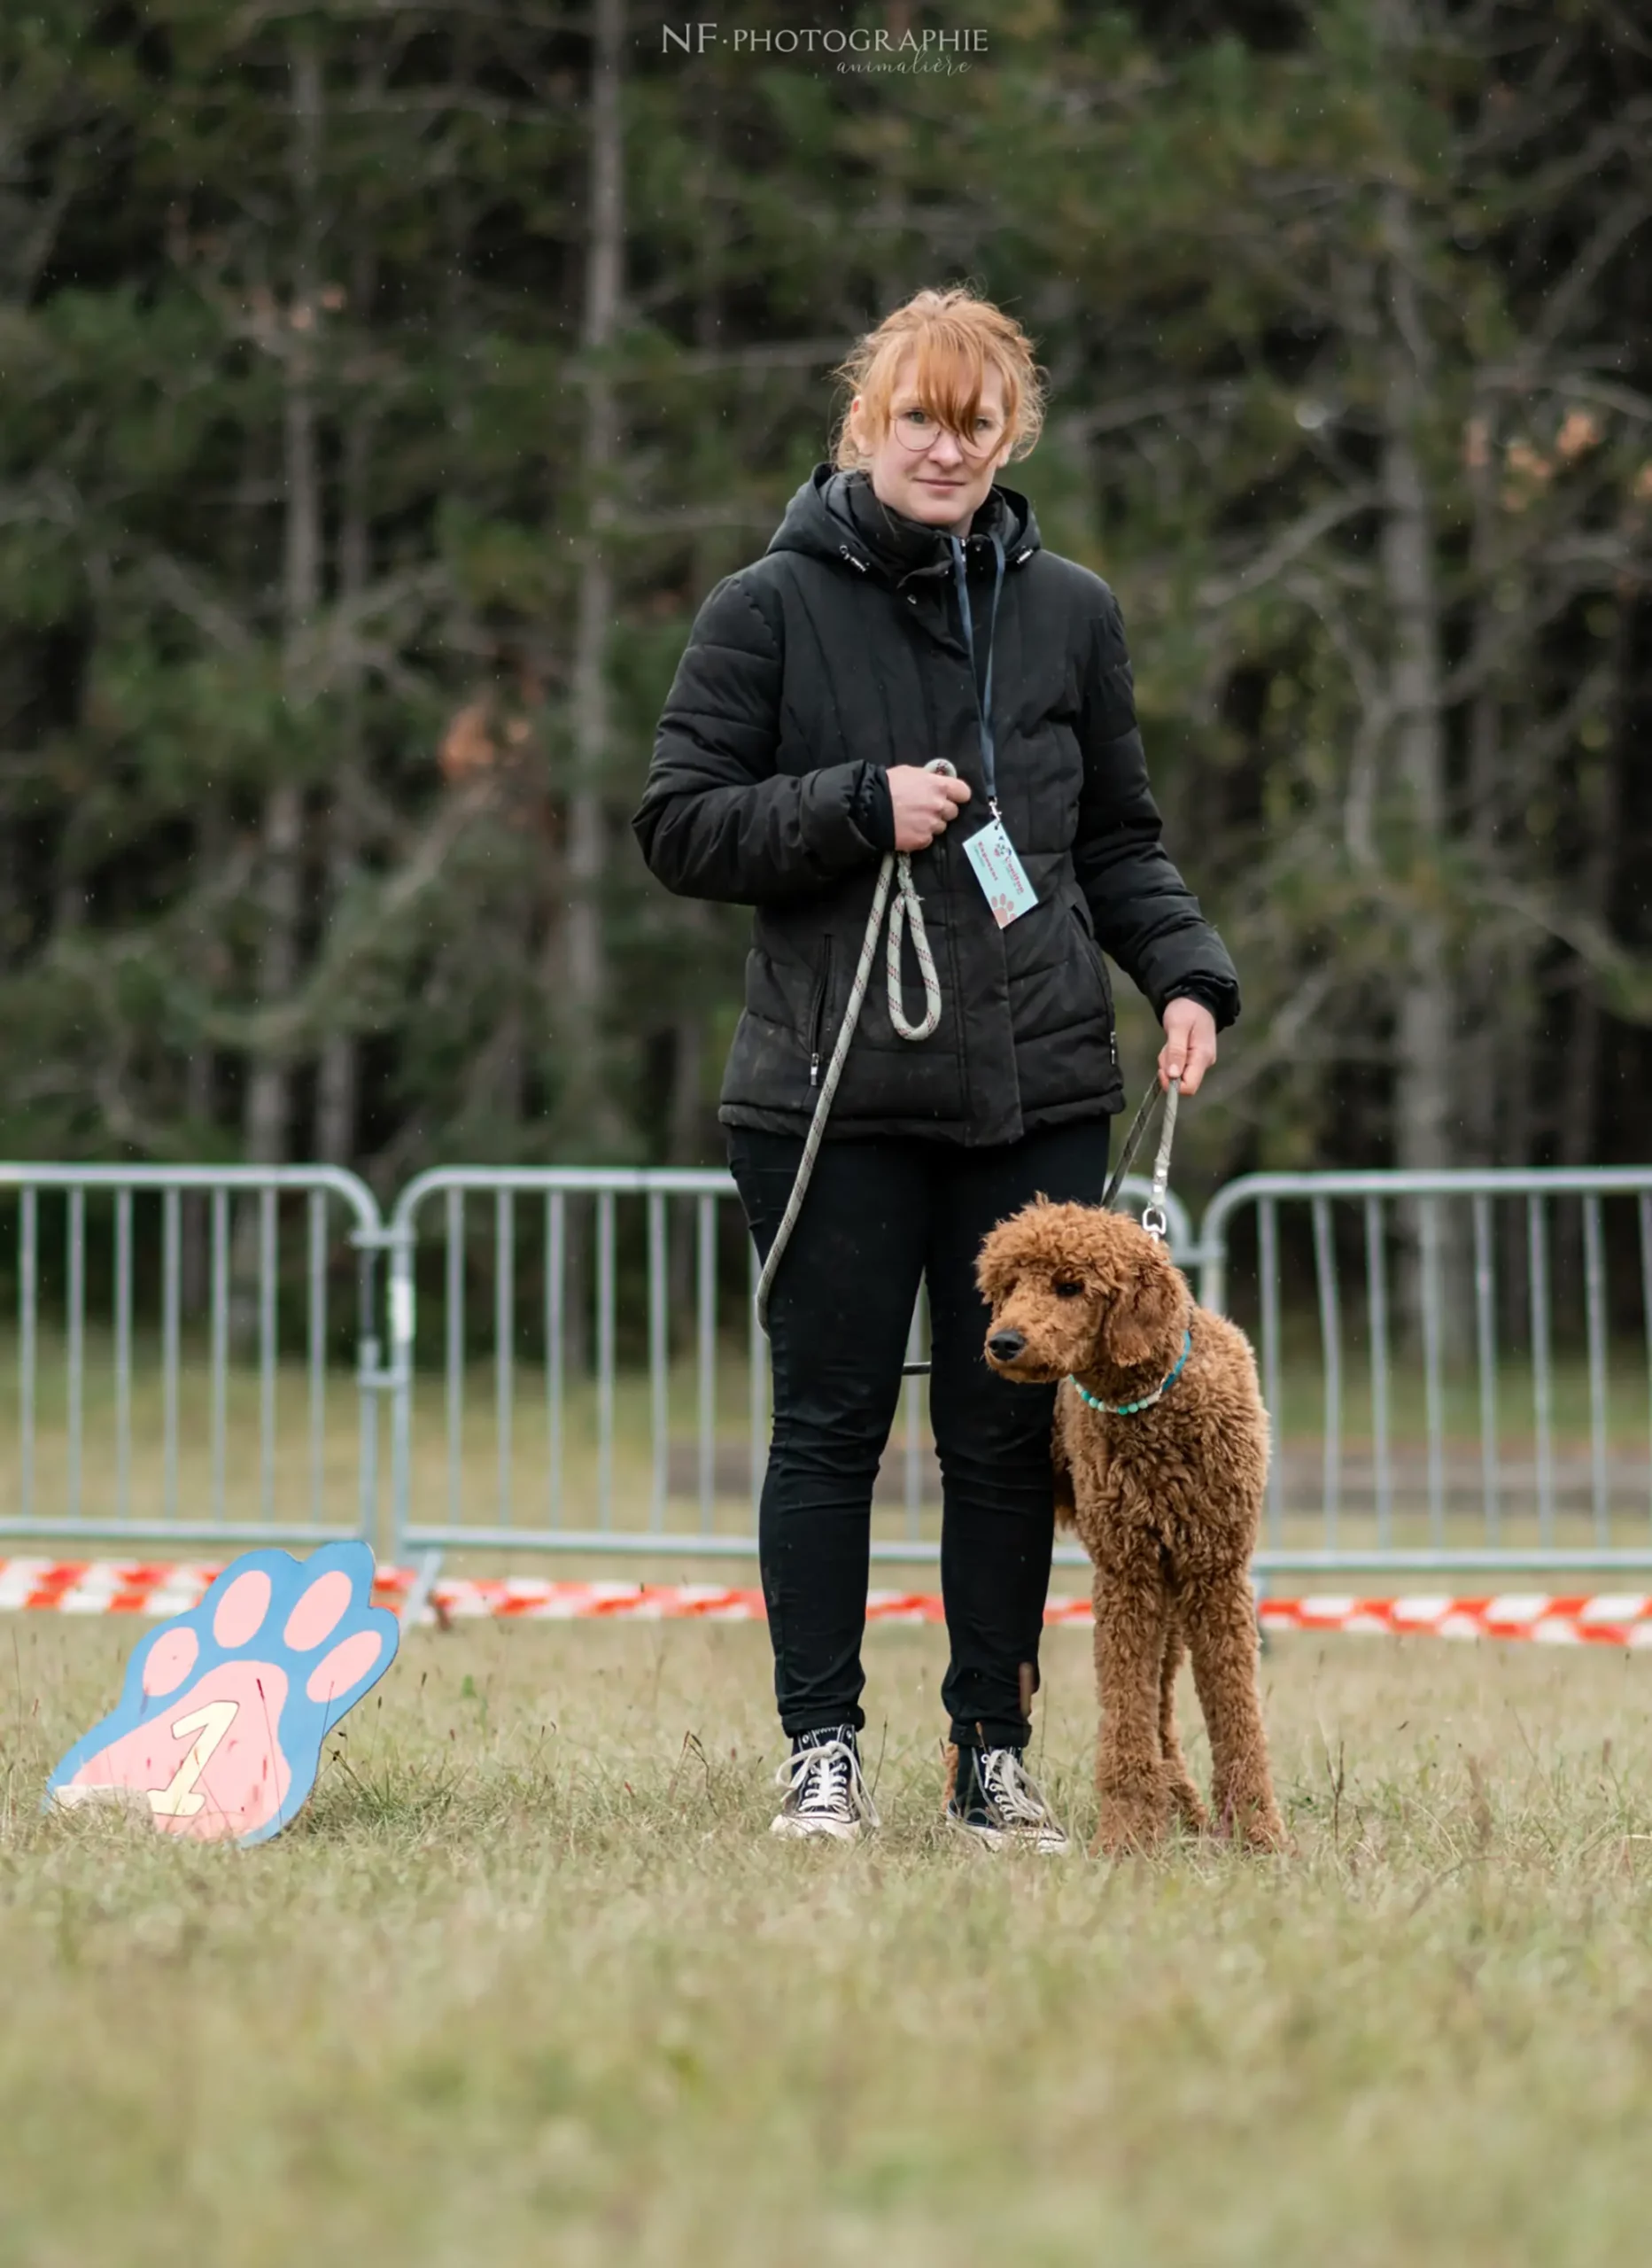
(815, 1036)
(1090, 949)
(1098, 962)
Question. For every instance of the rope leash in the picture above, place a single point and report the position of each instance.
(1154, 1219)
(1156, 1224)
(907, 913)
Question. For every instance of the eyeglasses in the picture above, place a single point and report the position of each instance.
(918, 430)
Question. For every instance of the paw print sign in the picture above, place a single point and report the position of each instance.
(218, 1731)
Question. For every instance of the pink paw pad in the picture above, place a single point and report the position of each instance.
(170, 1659)
(242, 1608)
(212, 1766)
(348, 1662)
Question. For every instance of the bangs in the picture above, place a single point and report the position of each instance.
(945, 345)
(948, 378)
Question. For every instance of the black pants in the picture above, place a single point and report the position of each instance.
(880, 1215)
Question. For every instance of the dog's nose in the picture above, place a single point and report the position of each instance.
(1005, 1345)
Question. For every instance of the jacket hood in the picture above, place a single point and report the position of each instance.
(836, 514)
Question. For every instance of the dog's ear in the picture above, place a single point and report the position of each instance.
(994, 1269)
(1007, 1249)
(1141, 1314)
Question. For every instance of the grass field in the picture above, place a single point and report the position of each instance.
(530, 1982)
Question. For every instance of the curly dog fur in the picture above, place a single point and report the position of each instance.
(1165, 1502)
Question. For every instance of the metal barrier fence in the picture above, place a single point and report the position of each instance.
(536, 1436)
(1472, 1415)
(1459, 1365)
(122, 1271)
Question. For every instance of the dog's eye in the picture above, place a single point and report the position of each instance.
(1067, 1287)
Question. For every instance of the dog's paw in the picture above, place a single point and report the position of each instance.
(1255, 1825)
(1131, 1825)
(1267, 1837)
(1188, 1807)
(218, 1731)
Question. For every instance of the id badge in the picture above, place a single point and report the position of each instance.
(1000, 873)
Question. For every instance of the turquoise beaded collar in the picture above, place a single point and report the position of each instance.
(1129, 1409)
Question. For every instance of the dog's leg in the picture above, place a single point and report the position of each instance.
(1131, 1617)
(1219, 1618)
(1061, 1463)
(1183, 1795)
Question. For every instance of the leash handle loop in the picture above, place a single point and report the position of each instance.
(907, 912)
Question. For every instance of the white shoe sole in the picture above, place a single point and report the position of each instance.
(816, 1830)
(1000, 1839)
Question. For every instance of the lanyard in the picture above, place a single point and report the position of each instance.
(983, 693)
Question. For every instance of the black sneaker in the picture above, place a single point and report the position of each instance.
(996, 1801)
(825, 1791)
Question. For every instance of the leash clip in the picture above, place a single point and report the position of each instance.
(1154, 1218)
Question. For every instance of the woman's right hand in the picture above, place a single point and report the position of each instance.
(924, 805)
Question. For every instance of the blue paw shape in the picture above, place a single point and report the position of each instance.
(219, 1728)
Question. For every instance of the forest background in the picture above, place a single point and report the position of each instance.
(383, 386)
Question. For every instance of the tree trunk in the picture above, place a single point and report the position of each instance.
(267, 1125)
(269, 1095)
(337, 1079)
(1483, 988)
(338, 1074)
(1604, 808)
(1424, 1019)
(197, 1105)
(589, 1114)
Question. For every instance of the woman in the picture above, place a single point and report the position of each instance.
(904, 612)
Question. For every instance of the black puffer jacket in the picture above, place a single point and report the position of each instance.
(838, 655)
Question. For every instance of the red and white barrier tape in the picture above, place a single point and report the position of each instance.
(171, 1586)
(1605, 1619)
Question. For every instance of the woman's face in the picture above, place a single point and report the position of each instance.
(918, 467)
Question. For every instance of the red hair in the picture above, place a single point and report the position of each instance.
(957, 338)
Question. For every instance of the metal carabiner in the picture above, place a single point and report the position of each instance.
(1154, 1219)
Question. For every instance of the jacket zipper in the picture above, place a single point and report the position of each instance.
(816, 1014)
(1106, 988)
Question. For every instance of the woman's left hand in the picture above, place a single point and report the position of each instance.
(1189, 1044)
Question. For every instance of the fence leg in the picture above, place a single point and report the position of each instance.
(402, 1327)
(418, 1598)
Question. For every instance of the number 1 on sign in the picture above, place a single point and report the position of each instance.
(181, 1799)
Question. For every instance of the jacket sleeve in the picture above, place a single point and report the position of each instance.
(1144, 914)
(716, 819)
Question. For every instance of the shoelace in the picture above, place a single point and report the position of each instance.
(827, 1781)
(1012, 1795)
